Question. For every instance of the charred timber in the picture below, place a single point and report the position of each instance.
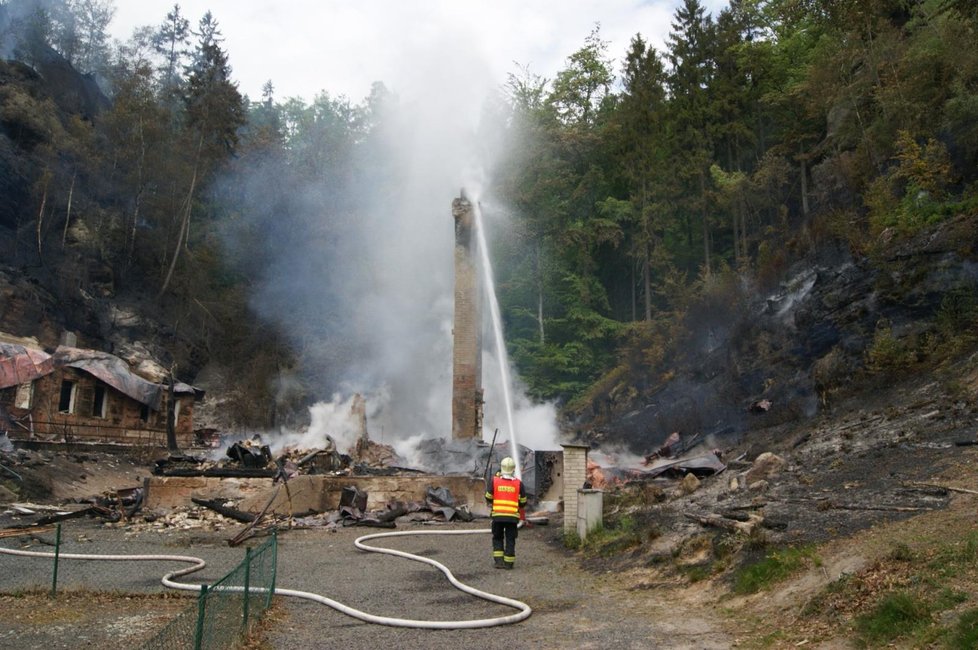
(220, 472)
(221, 509)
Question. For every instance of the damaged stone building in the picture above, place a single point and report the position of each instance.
(79, 395)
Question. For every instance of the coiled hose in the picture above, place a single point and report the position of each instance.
(197, 563)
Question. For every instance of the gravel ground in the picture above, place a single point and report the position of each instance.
(571, 607)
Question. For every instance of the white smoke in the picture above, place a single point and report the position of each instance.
(362, 279)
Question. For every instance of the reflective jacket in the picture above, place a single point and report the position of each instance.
(506, 496)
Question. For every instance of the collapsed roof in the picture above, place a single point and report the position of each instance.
(21, 364)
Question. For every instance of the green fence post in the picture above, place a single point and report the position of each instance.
(271, 587)
(201, 609)
(247, 579)
(57, 552)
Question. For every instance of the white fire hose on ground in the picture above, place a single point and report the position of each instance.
(198, 564)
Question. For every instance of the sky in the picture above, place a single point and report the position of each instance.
(343, 46)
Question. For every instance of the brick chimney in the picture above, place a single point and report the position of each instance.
(467, 332)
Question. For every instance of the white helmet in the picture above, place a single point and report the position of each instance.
(507, 466)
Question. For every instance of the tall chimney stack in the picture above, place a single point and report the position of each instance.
(467, 350)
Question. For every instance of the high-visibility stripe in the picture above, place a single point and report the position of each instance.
(506, 499)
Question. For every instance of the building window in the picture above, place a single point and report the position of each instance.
(100, 403)
(144, 413)
(66, 403)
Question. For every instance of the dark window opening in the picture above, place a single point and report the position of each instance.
(66, 403)
(99, 403)
(144, 413)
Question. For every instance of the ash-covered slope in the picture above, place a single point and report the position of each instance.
(839, 323)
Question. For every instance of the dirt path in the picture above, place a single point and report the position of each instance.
(571, 607)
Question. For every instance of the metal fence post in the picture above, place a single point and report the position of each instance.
(57, 552)
(271, 587)
(201, 610)
(247, 579)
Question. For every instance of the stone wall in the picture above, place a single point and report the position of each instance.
(315, 492)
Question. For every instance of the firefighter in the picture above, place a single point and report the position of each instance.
(506, 498)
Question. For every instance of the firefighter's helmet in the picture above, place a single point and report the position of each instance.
(507, 465)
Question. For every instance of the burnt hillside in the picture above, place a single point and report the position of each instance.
(840, 323)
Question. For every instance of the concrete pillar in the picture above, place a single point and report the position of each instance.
(467, 330)
(575, 474)
(590, 511)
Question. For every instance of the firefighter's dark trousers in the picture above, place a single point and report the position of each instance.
(504, 533)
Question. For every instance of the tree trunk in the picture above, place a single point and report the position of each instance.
(706, 227)
(71, 193)
(184, 227)
(171, 425)
(131, 239)
(539, 295)
(647, 281)
(40, 222)
(804, 185)
(634, 293)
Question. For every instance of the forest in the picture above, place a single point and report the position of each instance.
(644, 183)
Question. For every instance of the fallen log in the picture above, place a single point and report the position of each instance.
(942, 487)
(746, 517)
(17, 531)
(718, 521)
(61, 516)
(223, 510)
(844, 506)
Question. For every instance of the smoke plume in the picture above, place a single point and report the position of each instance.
(357, 266)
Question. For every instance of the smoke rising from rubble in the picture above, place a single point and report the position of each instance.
(360, 279)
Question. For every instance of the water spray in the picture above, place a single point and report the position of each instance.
(497, 330)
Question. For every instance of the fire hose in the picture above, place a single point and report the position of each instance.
(168, 580)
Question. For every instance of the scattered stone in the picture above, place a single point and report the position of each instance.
(689, 484)
(765, 466)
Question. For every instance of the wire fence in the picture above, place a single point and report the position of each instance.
(224, 610)
(216, 618)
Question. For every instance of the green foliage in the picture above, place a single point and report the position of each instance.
(765, 128)
(615, 537)
(965, 633)
(572, 540)
(776, 566)
(896, 615)
(887, 353)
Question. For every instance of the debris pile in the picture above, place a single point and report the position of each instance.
(253, 458)
(676, 458)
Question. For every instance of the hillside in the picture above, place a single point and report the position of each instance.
(840, 325)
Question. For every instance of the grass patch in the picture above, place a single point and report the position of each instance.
(964, 635)
(897, 614)
(696, 573)
(953, 558)
(776, 566)
(618, 536)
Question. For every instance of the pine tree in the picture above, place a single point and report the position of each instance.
(642, 115)
(692, 70)
(171, 41)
